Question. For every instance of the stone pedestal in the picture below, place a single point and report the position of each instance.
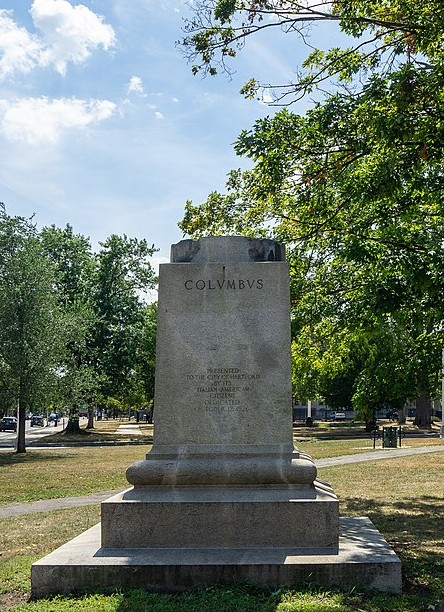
(223, 517)
(223, 472)
(223, 492)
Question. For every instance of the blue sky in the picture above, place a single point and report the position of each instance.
(102, 124)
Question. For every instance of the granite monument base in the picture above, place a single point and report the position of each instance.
(364, 560)
(223, 517)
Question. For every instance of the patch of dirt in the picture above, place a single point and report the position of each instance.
(9, 600)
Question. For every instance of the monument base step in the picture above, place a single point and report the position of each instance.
(222, 517)
(364, 560)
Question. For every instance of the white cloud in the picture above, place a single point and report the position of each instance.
(135, 85)
(19, 50)
(70, 33)
(38, 121)
(158, 115)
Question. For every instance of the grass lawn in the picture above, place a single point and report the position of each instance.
(403, 497)
(65, 472)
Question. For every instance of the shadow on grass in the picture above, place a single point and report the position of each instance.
(247, 598)
(243, 597)
(13, 458)
(415, 529)
(93, 438)
(217, 599)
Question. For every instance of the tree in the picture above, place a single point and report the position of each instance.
(79, 383)
(8, 393)
(72, 256)
(73, 324)
(146, 353)
(123, 274)
(31, 323)
(103, 295)
(74, 262)
(355, 187)
(383, 30)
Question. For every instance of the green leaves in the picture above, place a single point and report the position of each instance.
(74, 324)
(224, 9)
(32, 324)
(356, 190)
(122, 272)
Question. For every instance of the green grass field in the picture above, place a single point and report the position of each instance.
(402, 496)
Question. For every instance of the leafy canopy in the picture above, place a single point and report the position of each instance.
(75, 327)
(354, 187)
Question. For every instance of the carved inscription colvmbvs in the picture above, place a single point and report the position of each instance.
(222, 390)
(219, 284)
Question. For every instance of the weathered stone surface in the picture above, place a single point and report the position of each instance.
(227, 249)
(222, 517)
(223, 376)
(223, 471)
(187, 468)
(364, 560)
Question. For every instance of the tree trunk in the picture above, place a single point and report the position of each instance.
(402, 415)
(21, 417)
(370, 425)
(423, 416)
(73, 426)
(369, 415)
(90, 417)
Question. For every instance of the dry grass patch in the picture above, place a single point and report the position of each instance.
(390, 480)
(37, 534)
(320, 449)
(62, 472)
(103, 432)
(112, 425)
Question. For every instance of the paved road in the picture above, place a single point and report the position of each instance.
(32, 434)
(46, 505)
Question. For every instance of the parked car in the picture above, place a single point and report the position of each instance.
(339, 416)
(8, 424)
(37, 421)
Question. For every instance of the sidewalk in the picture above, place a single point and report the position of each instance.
(46, 505)
(33, 434)
(60, 503)
(386, 453)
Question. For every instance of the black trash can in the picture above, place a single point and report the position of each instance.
(389, 437)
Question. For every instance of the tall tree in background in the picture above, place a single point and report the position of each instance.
(123, 274)
(75, 327)
(103, 294)
(354, 187)
(146, 352)
(32, 325)
(72, 257)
